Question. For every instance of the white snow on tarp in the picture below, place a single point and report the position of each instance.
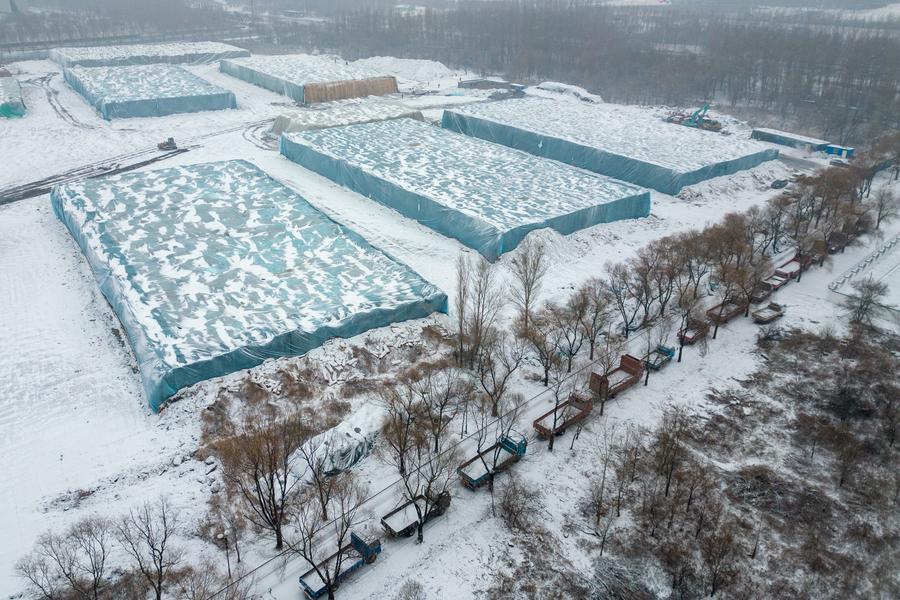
(146, 90)
(341, 112)
(570, 90)
(486, 195)
(626, 130)
(214, 268)
(138, 54)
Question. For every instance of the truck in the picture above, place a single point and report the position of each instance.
(722, 314)
(624, 376)
(403, 520)
(568, 413)
(694, 331)
(476, 471)
(357, 553)
(659, 358)
(770, 313)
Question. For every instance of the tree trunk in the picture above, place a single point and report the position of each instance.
(279, 538)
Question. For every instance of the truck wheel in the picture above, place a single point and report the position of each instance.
(371, 558)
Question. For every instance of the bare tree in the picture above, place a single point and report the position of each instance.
(529, 267)
(309, 526)
(886, 206)
(501, 357)
(258, 468)
(440, 389)
(568, 320)
(146, 534)
(595, 318)
(609, 352)
(461, 304)
(311, 455)
(657, 337)
(73, 564)
(868, 294)
(545, 338)
(487, 300)
(619, 283)
(518, 504)
(402, 406)
(718, 550)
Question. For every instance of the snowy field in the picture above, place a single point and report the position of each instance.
(290, 74)
(146, 91)
(80, 439)
(213, 268)
(141, 54)
(626, 142)
(486, 195)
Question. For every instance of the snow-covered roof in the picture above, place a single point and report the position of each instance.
(793, 136)
(141, 82)
(132, 54)
(215, 267)
(341, 112)
(630, 131)
(304, 69)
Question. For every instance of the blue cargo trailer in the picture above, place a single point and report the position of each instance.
(357, 553)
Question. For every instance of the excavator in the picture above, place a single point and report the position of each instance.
(697, 119)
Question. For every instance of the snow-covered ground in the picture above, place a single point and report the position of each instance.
(78, 437)
(134, 54)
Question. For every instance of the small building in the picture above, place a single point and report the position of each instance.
(840, 151)
(792, 140)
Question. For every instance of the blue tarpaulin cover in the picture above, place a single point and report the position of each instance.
(485, 195)
(625, 142)
(146, 91)
(216, 267)
(11, 103)
(145, 54)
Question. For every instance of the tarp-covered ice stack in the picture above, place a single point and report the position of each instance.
(11, 103)
(485, 195)
(625, 142)
(308, 79)
(146, 91)
(145, 54)
(216, 267)
(342, 112)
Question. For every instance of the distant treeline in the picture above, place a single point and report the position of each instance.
(819, 72)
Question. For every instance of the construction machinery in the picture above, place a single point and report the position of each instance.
(697, 119)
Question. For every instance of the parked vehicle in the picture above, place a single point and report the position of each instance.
(659, 358)
(168, 144)
(357, 553)
(790, 269)
(568, 413)
(627, 374)
(476, 471)
(770, 313)
(780, 184)
(693, 332)
(722, 314)
(403, 520)
(760, 293)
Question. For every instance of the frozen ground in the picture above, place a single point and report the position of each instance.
(78, 438)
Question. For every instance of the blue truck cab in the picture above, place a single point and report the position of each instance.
(357, 553)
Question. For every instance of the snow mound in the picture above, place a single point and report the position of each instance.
(412, 69)
(570, 90)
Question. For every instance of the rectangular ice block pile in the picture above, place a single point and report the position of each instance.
(342, 112)
(485, 195)
(307, 79)
(216, 267)
(146, 91)
(145, 54)
(626, 142)
(11, 103)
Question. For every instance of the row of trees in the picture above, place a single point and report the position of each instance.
(818, 73)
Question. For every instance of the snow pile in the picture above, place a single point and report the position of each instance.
(625, 142)
(486, 195)
(571, 90)
(11, 103)
(291, 74)
(408, 69)
(142, 54)
(341, 112)
(216, 267)
(146, 91)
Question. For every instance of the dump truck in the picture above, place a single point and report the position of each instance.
(770, 313)
(693, 332)
(624, 376)
(357, 553)
(659, 358)
(722, 314)
(403, 520)
(568, 413)
(476, 471)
